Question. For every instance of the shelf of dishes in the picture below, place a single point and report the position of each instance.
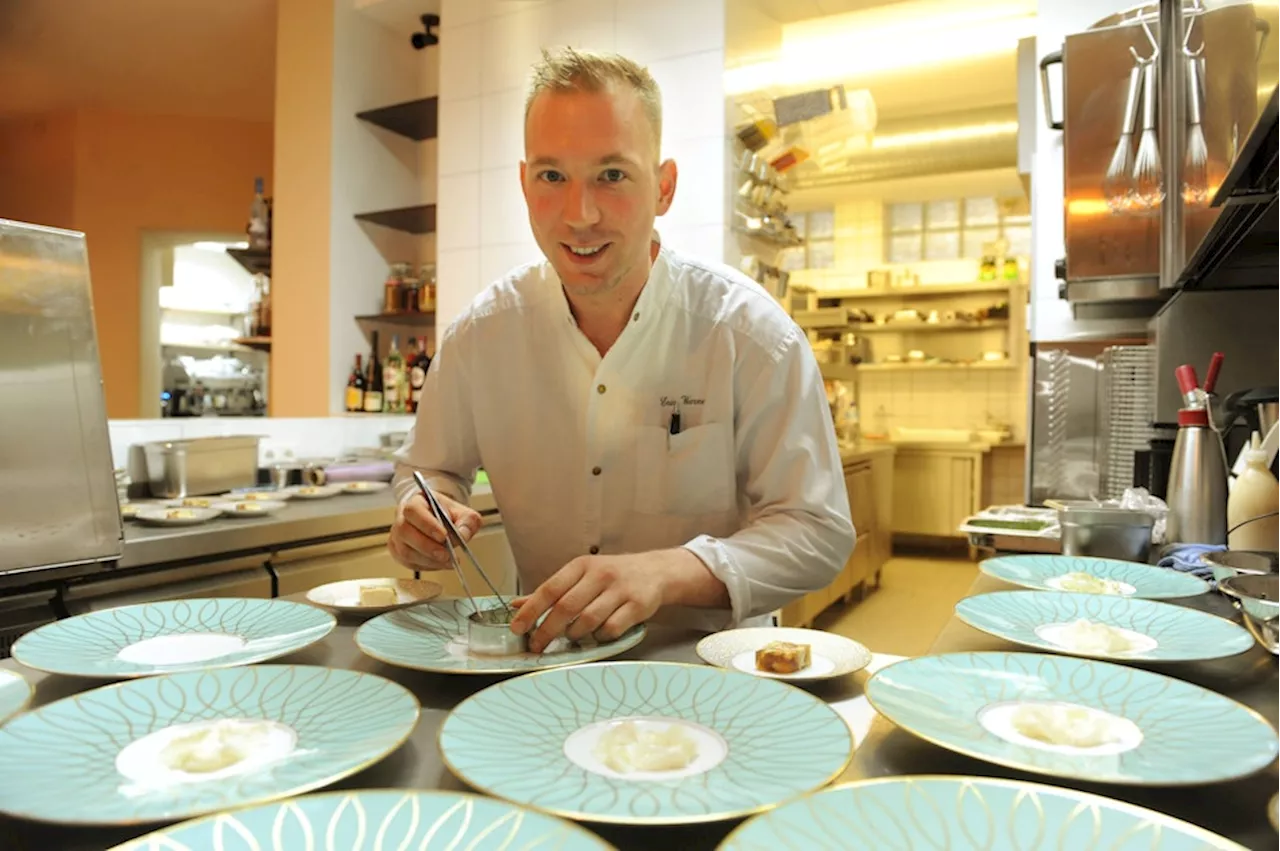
(907, 320)
(834, 371)
(921, 291)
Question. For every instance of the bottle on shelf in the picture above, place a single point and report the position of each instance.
(355, 387)
(259, 219)
(393, 289)
(427, 288)
(393, 379)
(373, 386)
(419, 363)
(260, 317)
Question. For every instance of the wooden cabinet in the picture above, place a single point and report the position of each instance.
(869, 482)
(935, 489)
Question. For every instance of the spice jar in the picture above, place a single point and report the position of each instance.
(392, 290)
(427, 287)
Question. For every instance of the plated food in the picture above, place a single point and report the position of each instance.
(373, 596)
(364, 487)
(313, 491)
(281, 495)
(173, 747)
(1076, 718)
(435, 637)
(1084, 574)
(952, 812)
(250, 508)
(645, 743)
(785, 653)
(1119, 628)
(192, 502)
(171, 636)
(15, 692)
(399, 818)
(161, 516)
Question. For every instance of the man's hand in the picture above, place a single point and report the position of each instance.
(417, 538)
(605, 596)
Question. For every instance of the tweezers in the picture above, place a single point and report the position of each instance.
(450, 532)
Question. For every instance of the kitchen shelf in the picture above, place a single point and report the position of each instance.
(415, 220)
(206, 311)
(256, 261)
(770, 237)
(919, 292)
(416, 119)
(848, 372)
(223, 348)
(425, 317)
(917, 327)
(262, 344)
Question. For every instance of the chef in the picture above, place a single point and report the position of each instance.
(654, 427)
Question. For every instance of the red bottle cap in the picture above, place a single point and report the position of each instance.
(1193, 417)
(1187, 381)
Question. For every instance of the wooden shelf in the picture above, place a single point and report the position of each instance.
(415, 220)
(416, 119)
(407, 318)
(223, 348)
(849, 372)
(256, 261)
(262, 344)
(205, 311)
(905, 327)
(918, 292)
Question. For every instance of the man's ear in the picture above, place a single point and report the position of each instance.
(523, 190)
(667, 174)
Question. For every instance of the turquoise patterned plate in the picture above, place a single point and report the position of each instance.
(1134, 727)
(734, 744)
(965, 812)
(389, 818)
(178, 635)
(1149, 631)
(1124, 578)
(15, 691)
(433, 637)
(166, 748)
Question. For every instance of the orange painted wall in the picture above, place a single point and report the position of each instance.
(147, 172)
(37, 169)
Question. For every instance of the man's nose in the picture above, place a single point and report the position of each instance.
(580, 209)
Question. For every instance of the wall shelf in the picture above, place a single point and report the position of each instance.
(416, 119)
(917, 292)
(256, 261)
(262, 344)
(415, 220)
(221, 348)
(408, 318)
(919, 327)
(849, 372)
(204, 311)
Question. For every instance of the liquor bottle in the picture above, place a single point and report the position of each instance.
(393, 377)
(259, 219)
(355, 387)
(373, 381)
(419, 363)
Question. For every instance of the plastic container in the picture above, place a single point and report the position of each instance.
(1256, 493)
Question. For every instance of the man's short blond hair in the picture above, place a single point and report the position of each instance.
(569, 70)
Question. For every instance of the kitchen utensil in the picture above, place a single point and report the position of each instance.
(1106, 532)
(1195, 178)
(1158, 632)
(1046, 572)
(102, 757)
(1148, 176)
(1197, 496)
(15, 692)
(1118, 186)
(950, 812)
(758, 742)
(831, 655)
(434, 637)
(451, 532)
(344, 596)
(172, 636)
(970, 703)
(1228, 563)
(201, 465)
(399, 818)
(1258, 599)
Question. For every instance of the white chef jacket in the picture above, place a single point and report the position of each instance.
(578, 447)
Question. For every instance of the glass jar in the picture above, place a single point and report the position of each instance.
(393, 289)
(427, 287)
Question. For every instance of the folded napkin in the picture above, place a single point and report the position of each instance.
(1185, 558)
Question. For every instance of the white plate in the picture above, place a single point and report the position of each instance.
(830, 655)
(252, 508)
(344, 596)
(192, 502)
(256, 496)
(364, 487)
(160, 516)
(313, 491)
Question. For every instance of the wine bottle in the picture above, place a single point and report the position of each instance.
(419, 363)
(393, 379)
(355, 387)
(373, 381)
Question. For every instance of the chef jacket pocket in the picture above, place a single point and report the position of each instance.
(687, 473)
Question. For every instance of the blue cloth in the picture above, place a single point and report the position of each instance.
(1185, 558)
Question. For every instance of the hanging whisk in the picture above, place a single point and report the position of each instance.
(1195, 182)
(1117, 187)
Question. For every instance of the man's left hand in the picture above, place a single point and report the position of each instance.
(605, 596)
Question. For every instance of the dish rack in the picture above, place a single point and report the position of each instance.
(1126, 400)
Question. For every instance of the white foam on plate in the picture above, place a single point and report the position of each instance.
(1058, 634)
(181, 649)
(819, 666)
(143, 761)
(711, 747)
(997, 719)
(1126, 590)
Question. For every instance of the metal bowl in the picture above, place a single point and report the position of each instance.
(489, 634)
(1258, 599)
(1228, 563)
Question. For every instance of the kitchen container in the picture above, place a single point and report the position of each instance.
(489, 634)
(1258, 599)
(1104, 532)
(204, 465)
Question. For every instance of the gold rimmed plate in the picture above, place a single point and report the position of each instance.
(345, 596)
(831, 655)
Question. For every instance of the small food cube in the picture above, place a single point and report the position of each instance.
(782, 657)
(377, 595)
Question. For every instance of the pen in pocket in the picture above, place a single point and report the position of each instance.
(675, 421)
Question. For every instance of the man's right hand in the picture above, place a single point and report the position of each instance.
(417, 538)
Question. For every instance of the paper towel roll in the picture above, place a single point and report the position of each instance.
(368, 471)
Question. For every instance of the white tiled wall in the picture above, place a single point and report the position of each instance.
(941, 399)
(486, 51)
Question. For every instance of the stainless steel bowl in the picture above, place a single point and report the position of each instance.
(1228, 563)
(1258, 599)
(489, 634)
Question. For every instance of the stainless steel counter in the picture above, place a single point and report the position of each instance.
(1235, 809)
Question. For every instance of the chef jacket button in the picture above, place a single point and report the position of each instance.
(595, 471)
(600, 388)
(594, 550)
(636, 317)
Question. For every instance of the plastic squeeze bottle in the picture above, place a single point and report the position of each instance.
(1256, 493)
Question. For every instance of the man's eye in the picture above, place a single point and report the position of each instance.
(550, 176)
(614, 175)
